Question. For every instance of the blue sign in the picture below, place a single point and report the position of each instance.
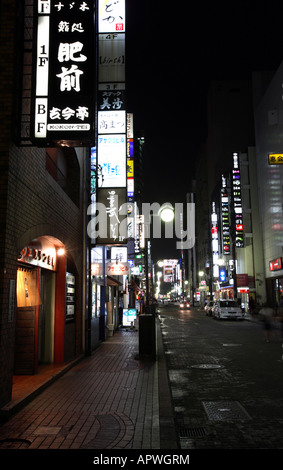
(129, 316)
(222, 274)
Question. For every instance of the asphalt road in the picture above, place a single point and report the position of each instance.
(226, 381)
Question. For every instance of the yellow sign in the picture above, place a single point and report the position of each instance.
(130, 168)
(275, 158)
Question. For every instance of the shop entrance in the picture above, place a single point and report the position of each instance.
(41, 306)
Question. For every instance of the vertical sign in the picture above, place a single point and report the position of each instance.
(65, 73)
(112, 220)
(214, 241)
(130, 157)
(112, 120)
(70, 296)
(237, 202)
(225, 217)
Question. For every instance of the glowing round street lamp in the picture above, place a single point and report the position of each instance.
(166, 212)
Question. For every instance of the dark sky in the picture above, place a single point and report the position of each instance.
(173, 51)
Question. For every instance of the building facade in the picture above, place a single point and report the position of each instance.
(229, 248)
(42, 207)
(268, 109)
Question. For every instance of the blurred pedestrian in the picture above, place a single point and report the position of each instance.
(267, 314)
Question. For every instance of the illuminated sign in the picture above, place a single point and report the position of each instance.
(130, 185)
(139, 233)
(169, 268)
(119, 254)
(117, 269)
(110, 225)
(130, 126)
(130, 168)
(112, 159)
(275, 264)
(225, 217)
(222, 274)
(65, 74)
(237, 202)
(129, 316)
(112, 16)
(214, 242)
(275, 158)
(130, 148)
(111, 122)
(110, 98)
(40, 253)
(111, 60)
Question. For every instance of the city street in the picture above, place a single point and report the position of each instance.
(226, 381)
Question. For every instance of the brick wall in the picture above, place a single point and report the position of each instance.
(32, 204)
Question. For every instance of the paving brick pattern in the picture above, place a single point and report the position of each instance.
(109, 400)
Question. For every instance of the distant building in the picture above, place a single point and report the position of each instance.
(268, 110)
(230, 130)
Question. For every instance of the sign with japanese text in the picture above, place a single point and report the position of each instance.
(112, 160)
(112, 216)
(65, 73)
(214, 240)
(275, 159)
(139, 233)
(111, 16)
(111, 61)
(237, 201)
(117, 269)
(130, 187)
(43, 256)
(130, 167)
(119, 254)
(111, 98)
(225, 217)
(111, 122)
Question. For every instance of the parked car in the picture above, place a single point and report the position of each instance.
(228, 309)
(208, 307)
(185, 304)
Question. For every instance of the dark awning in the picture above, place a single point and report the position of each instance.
(112, 282)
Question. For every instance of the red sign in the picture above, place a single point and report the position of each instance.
(275, 264)
(242, 280)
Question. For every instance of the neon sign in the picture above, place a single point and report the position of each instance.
(237, 202)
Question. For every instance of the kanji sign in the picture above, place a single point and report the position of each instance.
(275, 159)
(65, 73)
(111, 16)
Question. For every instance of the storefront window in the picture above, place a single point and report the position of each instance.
(70, 296)
(27, 291)
(95, 298)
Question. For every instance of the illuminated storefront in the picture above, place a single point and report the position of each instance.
(45, 305)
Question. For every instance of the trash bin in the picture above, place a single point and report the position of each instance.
(147, 336)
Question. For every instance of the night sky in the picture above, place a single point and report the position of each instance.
(173, 51)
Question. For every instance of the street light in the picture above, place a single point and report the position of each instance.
(166, 212)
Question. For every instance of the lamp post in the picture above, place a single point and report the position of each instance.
(166, 213)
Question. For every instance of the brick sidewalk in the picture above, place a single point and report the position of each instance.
(110, 400)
